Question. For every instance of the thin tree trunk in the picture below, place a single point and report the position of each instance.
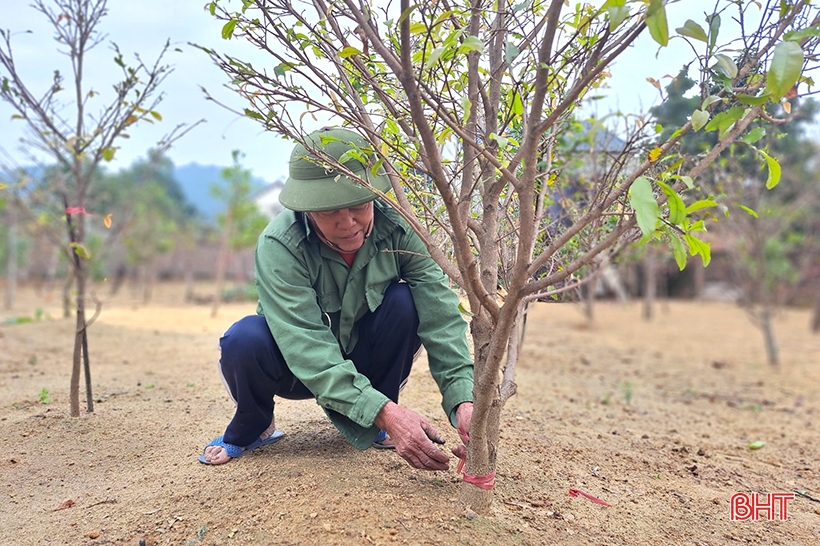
(222, 262)
(589, 300)
(77, 236)
(815, 321)
(650, 288)
(11, 258)
(768, 335)
(69, 282)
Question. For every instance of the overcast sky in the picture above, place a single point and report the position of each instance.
(143, 26)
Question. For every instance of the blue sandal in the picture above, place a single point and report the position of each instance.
(234, 452)
(379, 442)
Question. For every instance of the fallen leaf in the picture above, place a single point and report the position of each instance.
(68, 503)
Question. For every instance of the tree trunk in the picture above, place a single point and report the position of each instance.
(69, 282)
(815, 321)
(222, 262)
(11, 258)
(482, 448)
(699, 277)
(650, 284)
(768, 335)
(74, 395)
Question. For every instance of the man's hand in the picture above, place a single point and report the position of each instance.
(464, 416)
(413, 436)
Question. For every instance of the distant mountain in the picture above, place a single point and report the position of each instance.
(196, 181)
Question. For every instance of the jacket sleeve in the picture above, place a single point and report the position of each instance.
(310, 349)
(442, 329)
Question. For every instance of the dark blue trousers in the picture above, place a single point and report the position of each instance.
(254, 370)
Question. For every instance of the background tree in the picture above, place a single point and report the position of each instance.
(240, 224)
(152, 218)
(78, 134)
(769, 233)
(468, 100)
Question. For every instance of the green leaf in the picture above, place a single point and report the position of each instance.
(282, 68)
(750, 100)
(787, 64)
(80, 251)
(774, 170)
(677, 209)
(679, 252)
(511, 51)
(700, 205)
(656, 22)
(349, 51)
(418, 28)
(688, 181)
(517, 104)
(797, 35)
(710, 100)
(692, 30)
(714, 29)
(156, 115)
(108, 153)
(725, 65)
(252, 114)
(227, 30)
(757, 444)
(471, 43)
(406, 13)
(464, 310)
(646, 207)
(696, 246)
(750, 211)
(699, 119)
(754, 135)
(434, 57)
(723, 121)
(617, 11)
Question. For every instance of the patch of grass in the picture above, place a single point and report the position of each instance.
(626, 389)
(44, 396)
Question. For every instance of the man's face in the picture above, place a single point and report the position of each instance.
(344, 229)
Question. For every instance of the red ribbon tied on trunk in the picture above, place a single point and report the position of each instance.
(484, 482)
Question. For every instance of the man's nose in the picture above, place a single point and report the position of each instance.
(346, 218)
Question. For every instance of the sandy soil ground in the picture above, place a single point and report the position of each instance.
(654, 418)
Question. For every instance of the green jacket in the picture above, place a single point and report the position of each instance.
(300, 279)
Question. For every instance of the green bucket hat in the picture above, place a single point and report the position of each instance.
(313, 186)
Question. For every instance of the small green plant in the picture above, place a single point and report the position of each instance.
(626, 389)
(606, 399)
(44, 396)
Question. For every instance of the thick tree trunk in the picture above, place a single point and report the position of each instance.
(482, 449)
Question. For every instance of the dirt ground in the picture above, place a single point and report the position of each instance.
(654, 418)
